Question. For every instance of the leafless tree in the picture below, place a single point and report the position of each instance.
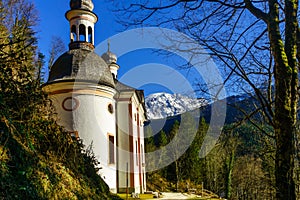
(57, 48)
(257, 44)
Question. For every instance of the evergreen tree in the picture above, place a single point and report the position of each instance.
(162, 141)
(149, 140)
(149, 149)
(191, 161)
(38, 158)
(174, 153)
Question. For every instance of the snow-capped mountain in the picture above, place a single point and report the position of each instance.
(162, 105)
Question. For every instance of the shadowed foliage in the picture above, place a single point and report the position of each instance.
(38, 158)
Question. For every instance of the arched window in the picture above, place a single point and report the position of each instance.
(73, 34)
(142, 154)
(111, 149)
(82, 33)
(136, 152)
(90, 35)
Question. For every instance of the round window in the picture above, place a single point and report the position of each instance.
(70, 104)
(110, 108)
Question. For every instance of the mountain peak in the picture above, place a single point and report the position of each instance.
(162, 105)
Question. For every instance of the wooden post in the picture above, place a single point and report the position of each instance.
(202, 189)
(126, 180)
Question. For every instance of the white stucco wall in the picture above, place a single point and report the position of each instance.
(123, 144)
(130, 98)
(94, 123)
(137, 139)
(92, 120)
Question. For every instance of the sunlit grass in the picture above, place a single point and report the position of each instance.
(203, 198)
(150, 196)
(142, 196)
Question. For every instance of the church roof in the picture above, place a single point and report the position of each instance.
(82, 4)
(121, 87)
(81, 64)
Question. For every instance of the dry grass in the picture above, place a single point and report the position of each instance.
(142, 196)
(150, 196)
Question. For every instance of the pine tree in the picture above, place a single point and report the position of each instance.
(162, 141)
(149, 140)
(174, 154)
(149, 149)
(192, 167)
(38, 158)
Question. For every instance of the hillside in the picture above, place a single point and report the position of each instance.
(38, 158)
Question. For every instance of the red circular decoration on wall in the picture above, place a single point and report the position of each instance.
(70, 104)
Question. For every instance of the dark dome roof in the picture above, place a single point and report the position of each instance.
(82, 4)
(81, 64)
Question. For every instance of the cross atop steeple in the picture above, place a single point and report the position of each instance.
(108, 45)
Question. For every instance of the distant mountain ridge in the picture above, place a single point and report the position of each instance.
(233, 113)
(163, 105)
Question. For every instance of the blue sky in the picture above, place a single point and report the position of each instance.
(53, 23)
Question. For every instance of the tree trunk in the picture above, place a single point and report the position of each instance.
(284, 166)
(230, 164)
(177, 175)
(286, 99)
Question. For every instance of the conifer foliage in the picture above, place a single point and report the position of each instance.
(38, 158)
(240, 166)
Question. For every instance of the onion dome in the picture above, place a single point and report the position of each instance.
(82, 4)
(81, 65)
(109, 57)
(111, 60)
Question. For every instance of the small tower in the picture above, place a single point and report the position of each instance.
(82, 21)
(111, 60)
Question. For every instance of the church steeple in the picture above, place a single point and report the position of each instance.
(111, 60)
(82, 20)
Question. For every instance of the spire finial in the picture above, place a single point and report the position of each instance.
(108, 45)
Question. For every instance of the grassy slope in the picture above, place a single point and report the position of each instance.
(39, 160)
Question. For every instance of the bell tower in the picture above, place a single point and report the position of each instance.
(82, 21)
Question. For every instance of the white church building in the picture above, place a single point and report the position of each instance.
(94, 106)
